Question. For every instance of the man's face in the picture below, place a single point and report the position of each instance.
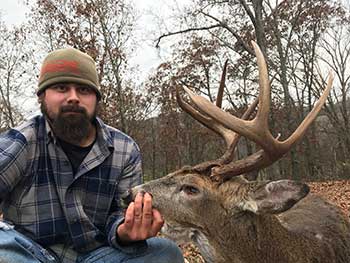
(71, 108)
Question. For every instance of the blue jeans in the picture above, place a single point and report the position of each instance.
(16, 248)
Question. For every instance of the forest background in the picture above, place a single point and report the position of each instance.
(302, 41)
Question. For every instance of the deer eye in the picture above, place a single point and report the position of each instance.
(189, 189)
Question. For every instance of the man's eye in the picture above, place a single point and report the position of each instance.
(85, 90)
(60, 88)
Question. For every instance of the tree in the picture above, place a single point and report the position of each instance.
(15, 74)
(180, 139)
(335, 46)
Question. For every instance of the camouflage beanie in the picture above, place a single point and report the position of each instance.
(68, 65)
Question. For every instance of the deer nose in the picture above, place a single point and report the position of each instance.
(127, 198)
(130, 195)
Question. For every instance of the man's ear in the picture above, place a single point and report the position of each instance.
(41, 97)
(275, 197)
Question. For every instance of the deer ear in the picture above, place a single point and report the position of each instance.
(275, 197)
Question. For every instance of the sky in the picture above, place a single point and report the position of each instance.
(13, 11)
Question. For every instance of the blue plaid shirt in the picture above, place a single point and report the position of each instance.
(48, 203)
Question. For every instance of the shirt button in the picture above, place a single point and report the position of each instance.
(74, 221)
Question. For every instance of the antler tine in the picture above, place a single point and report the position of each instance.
(222, 86)
(205, 120)
(250, 109)
(228, 155)
(245, 116)
(257, 129)
(227, 134)
(262, 115)
(300, 131)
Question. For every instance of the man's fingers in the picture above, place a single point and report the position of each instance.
(125, 229)
(141, 220)
(129, 216)
(147, 214)
(157, 223)
(138, 210)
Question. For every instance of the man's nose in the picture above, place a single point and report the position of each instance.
(72, 96)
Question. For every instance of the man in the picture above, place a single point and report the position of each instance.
(62, 175)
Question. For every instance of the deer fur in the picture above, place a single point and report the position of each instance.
(183, 236)
(253, 222)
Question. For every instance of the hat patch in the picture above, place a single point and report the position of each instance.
(61, 65)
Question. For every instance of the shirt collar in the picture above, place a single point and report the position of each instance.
(103, 132)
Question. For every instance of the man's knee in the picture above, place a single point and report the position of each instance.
(18, 248)
(165, 250)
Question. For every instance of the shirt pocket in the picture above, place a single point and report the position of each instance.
(98, 199)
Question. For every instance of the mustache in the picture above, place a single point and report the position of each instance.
(72, 108)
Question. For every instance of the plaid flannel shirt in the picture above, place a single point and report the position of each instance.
(48, 203)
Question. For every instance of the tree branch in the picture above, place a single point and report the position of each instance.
(235, 34)
(186, 31)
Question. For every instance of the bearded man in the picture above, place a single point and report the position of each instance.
(62, 174)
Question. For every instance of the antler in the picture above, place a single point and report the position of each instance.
(257, 129)
(230, 137)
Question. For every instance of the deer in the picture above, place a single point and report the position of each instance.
(234, 220)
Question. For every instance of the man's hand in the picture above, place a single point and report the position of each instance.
(141, 220)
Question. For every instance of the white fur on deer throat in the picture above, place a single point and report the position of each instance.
(249, 205)
(183, 235)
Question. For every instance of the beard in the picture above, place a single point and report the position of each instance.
(71, 124)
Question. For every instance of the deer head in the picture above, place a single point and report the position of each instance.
(214, 199)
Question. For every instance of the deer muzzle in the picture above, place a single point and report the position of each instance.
(130, 195)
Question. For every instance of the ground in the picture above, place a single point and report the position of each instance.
(336, 192)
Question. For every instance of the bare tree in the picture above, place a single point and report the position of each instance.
(15, 74)
(335, 53)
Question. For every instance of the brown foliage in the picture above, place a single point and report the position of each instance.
(336, 192)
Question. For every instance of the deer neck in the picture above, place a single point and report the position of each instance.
(252, 238)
